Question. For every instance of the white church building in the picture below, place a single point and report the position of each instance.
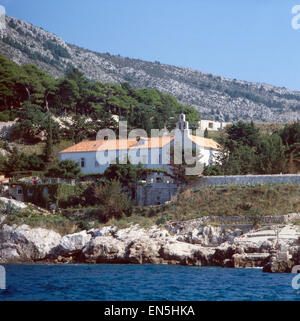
(154, 152)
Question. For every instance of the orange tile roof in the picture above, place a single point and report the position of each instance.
(205, 142)
(121, 144)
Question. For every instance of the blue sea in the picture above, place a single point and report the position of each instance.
(143, 282)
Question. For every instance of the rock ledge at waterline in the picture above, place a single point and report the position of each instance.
(195, 242)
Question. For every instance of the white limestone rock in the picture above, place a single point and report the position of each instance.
(250, 260)
(143, 251)
(104, 249)
(103, 231)
(72, 244)
(2, 218)
(186, 254)
(25, 244)
(17, 204)
(44, 240)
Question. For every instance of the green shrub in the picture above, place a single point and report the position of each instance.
(67, 169)
(162, 220)
(4, 116)
(114, 203)
(256, 216)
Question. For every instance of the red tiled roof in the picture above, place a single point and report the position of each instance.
(205, 142)
(121, 144)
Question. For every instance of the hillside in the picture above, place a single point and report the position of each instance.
(215, 97)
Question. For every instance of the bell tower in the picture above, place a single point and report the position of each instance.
(183, 125)
(182, 134)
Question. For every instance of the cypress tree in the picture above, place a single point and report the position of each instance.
(49, 142)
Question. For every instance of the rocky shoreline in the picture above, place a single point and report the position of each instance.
(275, 248)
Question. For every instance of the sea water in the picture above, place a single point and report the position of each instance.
(143, 282)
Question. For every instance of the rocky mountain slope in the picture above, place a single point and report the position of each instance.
(213, 96)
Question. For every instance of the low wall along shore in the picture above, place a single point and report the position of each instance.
(235, 220)
(248, 180)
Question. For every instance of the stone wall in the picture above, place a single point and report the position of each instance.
(158, 192)
(230, 220)
(155, 194)
(157, 189)
(247, 180)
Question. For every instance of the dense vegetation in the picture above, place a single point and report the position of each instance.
(76, 95)
(246, 150)
(251, 201)
(39, 103)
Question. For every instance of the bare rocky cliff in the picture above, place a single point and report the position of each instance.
(215, 97)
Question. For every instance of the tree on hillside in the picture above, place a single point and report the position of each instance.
(32, 121)
(68, 93)
(8, 75)
(126, 174)
(142, 118)
(271, 158)
(75, 94)
(240, 161)
(67, 169)
(49, 142)
(32, 83)
(18, 162)
(77, 76)
(114, 203)
(77, 129)
(246, 134)
(290, 135)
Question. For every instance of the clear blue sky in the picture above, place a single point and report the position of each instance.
(244, 39)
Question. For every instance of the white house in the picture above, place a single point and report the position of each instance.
(212, 125)
(95, 156)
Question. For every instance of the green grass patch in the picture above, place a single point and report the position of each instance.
(35, 219)
(232, 200)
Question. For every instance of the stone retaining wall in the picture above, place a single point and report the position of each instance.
(232, 220)
(247, 180)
